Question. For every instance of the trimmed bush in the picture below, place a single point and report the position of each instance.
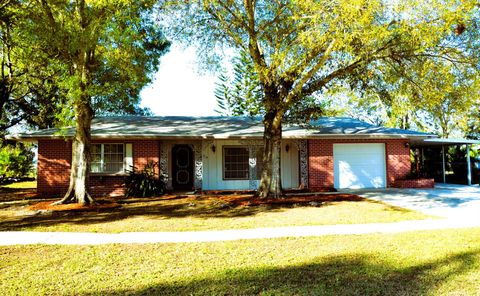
(145, 182)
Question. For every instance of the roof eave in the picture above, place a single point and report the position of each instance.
(34, 138)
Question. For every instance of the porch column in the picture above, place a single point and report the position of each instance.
(443, 164)
(303, 163)
(198, 165)
(252, 168)
(164, 164)
(469, 169)
(253, 147)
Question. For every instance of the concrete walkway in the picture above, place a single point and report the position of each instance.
(75, 238)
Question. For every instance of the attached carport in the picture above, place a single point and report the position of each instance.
(421, 144)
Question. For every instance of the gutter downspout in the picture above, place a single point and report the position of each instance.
(443, 164)
(469, 169)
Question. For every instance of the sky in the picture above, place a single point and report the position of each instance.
(178, 88)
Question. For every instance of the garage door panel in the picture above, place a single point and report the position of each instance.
(359, 165)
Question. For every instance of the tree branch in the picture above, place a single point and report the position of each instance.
(253, 47)
(48, 11)
(302, 81)
(317, 84)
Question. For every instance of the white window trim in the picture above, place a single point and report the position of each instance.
(127, 159)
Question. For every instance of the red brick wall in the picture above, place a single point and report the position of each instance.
(145, 151)
(54, 159)
(320, 160)
(416, 183)
(106, 185)
(53, 167)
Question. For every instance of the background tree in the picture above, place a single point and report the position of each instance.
(16, 161)
(106, 51)
(28, 91)
(299, 48)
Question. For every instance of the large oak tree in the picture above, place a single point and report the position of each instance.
(107, 51)
(299, 48)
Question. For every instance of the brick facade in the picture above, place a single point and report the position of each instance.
(145, 151)
(320, 160)
(54, 159)
(415, 183)
(53, 167)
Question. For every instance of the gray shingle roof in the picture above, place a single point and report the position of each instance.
(222, 127)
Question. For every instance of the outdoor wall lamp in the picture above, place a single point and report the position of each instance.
(287, 147)
(214, 148)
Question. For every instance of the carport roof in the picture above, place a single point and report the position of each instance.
(222, 128)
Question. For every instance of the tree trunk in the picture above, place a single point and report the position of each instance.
(271, 183)
(78, 188)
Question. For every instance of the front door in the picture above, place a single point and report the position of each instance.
(182, 156)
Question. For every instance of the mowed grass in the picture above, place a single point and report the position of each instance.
(443, 262)
(21, 185)
(199, 213)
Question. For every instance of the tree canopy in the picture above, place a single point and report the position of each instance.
(302, 48)
(106, 52)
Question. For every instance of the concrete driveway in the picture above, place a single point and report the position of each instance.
(445, 200)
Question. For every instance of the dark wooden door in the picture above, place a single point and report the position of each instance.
(182, 157)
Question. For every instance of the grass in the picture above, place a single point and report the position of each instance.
(199, 213)
(443, 262)
(21, 185)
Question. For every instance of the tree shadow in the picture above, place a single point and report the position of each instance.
(15, 194)
(363, 274)
(181, 206)
(156, 208)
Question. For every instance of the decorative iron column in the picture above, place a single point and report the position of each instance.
(253, 146)
(302, 146)
(198, 164)
(164, 161)
(252, 167)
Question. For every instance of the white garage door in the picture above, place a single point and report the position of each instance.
(359, 165)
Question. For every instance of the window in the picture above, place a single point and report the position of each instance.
(107, 158)
(235, 163)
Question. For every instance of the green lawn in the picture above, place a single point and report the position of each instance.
(22, 185)
(201, 213)
(418, 263)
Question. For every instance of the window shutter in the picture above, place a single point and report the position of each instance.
(128, 157)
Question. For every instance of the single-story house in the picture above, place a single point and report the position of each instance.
(221, 153)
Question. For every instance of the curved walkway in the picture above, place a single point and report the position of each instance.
(75, 238)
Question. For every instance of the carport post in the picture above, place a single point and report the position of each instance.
(469, 169)
(443, 164)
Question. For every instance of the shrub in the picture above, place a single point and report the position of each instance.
(15, 162)
(144, 183)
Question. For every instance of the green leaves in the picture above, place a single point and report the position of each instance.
(109, 50)
(15, 161)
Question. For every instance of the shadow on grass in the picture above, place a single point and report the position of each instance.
(14, 194)
(154, 208)
(336, 275)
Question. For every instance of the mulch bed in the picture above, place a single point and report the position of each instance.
(232, 199)
(289, 200)
(101, 204)
(286, 191)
